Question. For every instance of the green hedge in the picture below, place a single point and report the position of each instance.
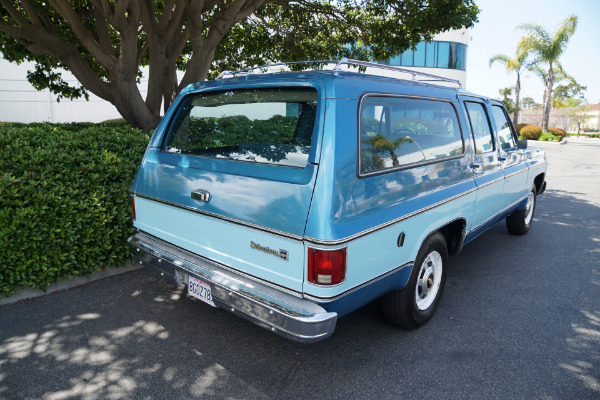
(549, 137)
(64, 202)
(518, 128)
(531, 132)
(557, 132)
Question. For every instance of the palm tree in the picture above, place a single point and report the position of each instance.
(559, 75)
(381, 144)
(548, 49)
(516, 65)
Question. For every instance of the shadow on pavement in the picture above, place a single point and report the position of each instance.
(520, 318)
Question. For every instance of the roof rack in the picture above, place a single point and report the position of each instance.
(433, 78)
(349, 61)
(248, 71)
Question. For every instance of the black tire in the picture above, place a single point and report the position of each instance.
(519, 222)
(401, 307)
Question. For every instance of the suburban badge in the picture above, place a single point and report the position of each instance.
(283, 254)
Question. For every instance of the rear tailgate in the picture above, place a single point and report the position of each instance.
(251, 224)
(233, 185)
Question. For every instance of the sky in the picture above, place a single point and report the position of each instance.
(495, 33)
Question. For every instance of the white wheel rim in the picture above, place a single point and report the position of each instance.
(428, 280)
(529, 208)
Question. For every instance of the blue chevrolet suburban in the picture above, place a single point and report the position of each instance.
(293, 198)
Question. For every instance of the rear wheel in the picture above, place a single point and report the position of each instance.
(414, 304)
(519, 222)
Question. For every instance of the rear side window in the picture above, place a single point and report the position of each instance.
(270, 126)
(397, 132)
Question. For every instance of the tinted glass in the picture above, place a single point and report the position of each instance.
(443, 60)
(461, 62)
(502, 126)
(396, 132)
(431, 54)
(407, 58)
(272, 126)
(419, 55)
(480, 127)
(453, 57)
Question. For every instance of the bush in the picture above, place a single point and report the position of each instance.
(531, 132)
(518, 128)
(64, 202)
(558, 132)
(548, 137)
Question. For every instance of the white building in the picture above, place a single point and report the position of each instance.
(20, 102)
(445, 55)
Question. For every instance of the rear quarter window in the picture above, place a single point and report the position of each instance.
(400, 132)
(269, 126)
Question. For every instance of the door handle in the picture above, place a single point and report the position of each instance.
(201, 195)
(477, 165)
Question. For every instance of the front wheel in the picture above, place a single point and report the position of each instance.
(414, 304)
(519, 222)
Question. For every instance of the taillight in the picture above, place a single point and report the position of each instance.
(326, 267)
(133, 206)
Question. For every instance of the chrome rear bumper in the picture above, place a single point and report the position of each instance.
(282, 313)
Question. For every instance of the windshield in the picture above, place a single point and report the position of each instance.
(270, 126)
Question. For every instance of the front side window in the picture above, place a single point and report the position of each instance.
(269, 126)
(480, 126)
(503, 129)
(397, 132)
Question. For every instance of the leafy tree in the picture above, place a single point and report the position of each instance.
(508, 102)
(559, 76)
(104, 43)
(579, 116)
(528, 102)
(548, 48)
(569, 95)
(518, 64)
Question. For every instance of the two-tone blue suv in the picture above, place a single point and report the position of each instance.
(294, 198)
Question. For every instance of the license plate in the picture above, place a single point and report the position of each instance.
(200, 290)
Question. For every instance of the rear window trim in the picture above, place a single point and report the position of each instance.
(411, 165)
(182, 101)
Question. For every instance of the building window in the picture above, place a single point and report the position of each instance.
(448, 55)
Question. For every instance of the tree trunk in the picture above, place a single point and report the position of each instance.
(130, 104)
(517, 93)
(547, 99)
(395, 161)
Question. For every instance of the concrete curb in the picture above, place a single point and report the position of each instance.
(75, 281)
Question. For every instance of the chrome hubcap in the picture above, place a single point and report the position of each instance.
(529, 208)
(428, 280)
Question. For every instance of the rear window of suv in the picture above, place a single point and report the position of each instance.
(269, 126)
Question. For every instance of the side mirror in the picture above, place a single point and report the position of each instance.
(522, 144)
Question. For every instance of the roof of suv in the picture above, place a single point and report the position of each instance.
(337, 84)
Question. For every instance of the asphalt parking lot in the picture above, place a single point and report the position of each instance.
(519, 319)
